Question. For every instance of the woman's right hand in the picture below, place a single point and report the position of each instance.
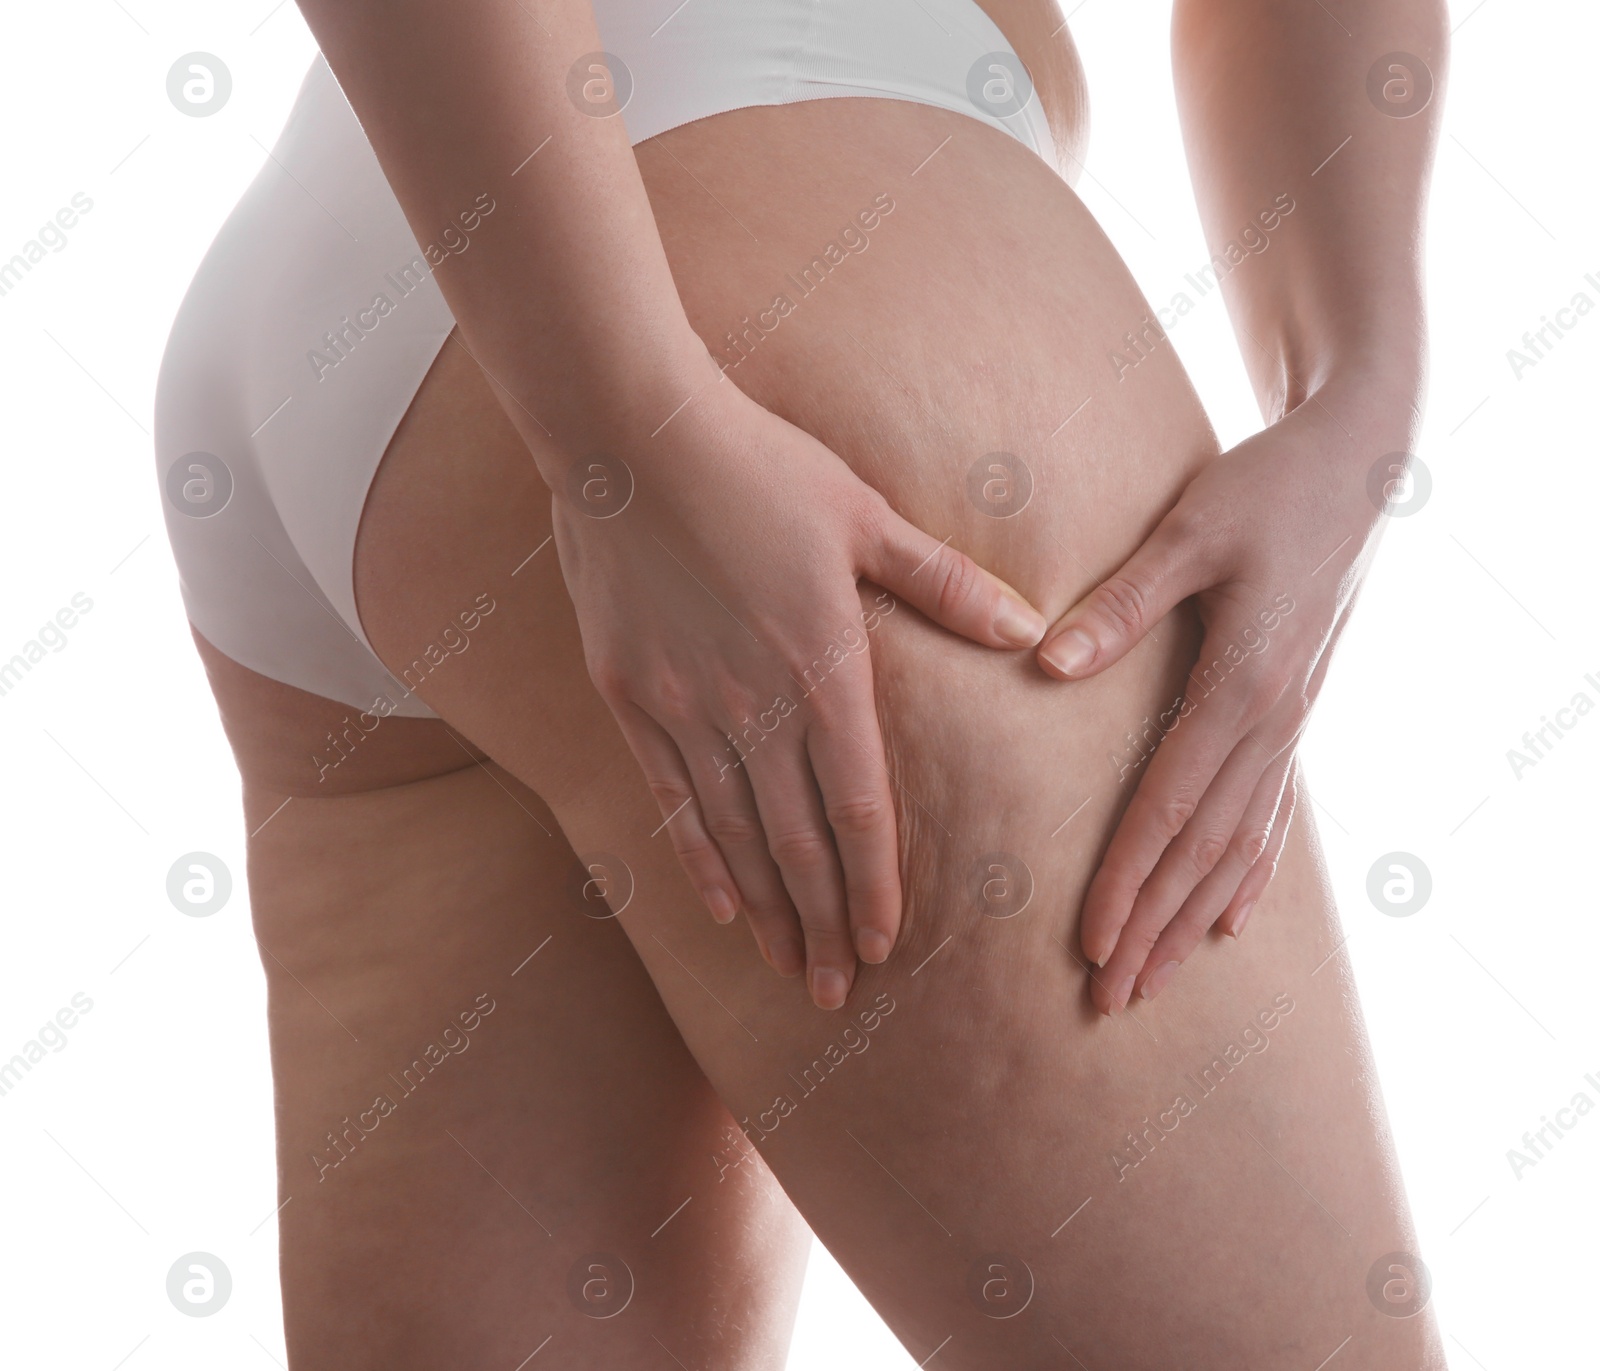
(714, 574)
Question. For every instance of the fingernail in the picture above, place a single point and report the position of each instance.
(1123, 990)
(721, 905)
(828, 987)
(1070, 652)
(783, 955)
(1238, 923)
(1020, 625)
(1158, 980)
(871, 945)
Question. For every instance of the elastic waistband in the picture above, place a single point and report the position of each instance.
(684, 61)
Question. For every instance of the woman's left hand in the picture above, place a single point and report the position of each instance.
(1272, 539)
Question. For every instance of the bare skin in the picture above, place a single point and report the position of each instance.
(992, 1100)
(394, 901)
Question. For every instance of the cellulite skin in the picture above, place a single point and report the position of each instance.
(992, 1101)
(1012, 1178)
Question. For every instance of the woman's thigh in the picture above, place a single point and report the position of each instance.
(489, 1132)
(1011, 1179)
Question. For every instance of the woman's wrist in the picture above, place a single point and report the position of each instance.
(1371, 397)
(634, 403)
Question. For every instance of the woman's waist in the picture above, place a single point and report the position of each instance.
(665, 66)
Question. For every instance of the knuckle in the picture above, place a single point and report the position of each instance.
(769, 918)
(867, 514)
(798, 848)
(825, 936)
(1185, 527)
(671, 794)
(697, 856)
(1137, 939)
(1272, 683)
(672, 701)
(1120, 883)
(732, 829)
(1172, 813)
(1208, 851)
(737, 701)
(858, 815)
(1252, 843)
(610, 678)
(958, 581)
(1125, 603)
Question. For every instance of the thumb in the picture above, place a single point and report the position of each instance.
(1114, 618)
(949, 587)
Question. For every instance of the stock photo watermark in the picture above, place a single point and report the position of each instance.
(51, 1037)
(602, 887)
(199, 884)
(50, 638)
(850, 642)
(1399, 484)
(600, 1285)
(852, 1040)
(199, 84)
(199, 485)
(1398, 1285)
(851, 241)
(452, 641)
(1251, 641)
(1002, 885)
(599, 84)
(198, 1284)
(601, 486)
(1537, 744)
(1142, 1143)
(1399, 84)
(1538, 1143)
(342, 1141)
(1000, 1284)
(339, 345)
(51, 236)
(1000, 485)
(1251, 241)
(1399, 884)
(1537, 344)
(999, 85)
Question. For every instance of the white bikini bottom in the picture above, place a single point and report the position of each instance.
(314, 316)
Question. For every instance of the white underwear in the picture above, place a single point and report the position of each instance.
(281, 386)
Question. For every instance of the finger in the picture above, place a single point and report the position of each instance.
(1199, 735)
(801, 842)
(669, 780)
(1205, 905)
(731, 818)
(1187, 859)
(1255, 881)
(1114, 618)
(846, 750)
(1257, 878)
(949, 587)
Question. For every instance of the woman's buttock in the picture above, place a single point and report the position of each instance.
(933, 303)
(922, 294)
(927, 298)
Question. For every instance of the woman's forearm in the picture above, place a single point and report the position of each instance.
(1324, 107)
(562, 291)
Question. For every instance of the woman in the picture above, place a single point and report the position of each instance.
(474, 531)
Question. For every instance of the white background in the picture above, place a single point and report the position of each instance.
(150, 1134)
